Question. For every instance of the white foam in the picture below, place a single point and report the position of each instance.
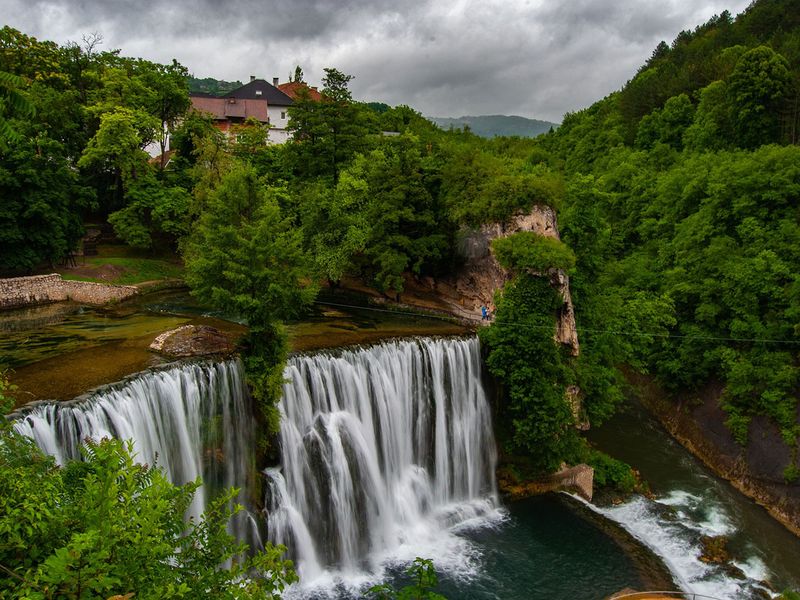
(676, 543)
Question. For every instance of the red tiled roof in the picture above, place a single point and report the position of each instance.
(223, 109)
(293, 89)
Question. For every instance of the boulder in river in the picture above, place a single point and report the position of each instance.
(193, 340)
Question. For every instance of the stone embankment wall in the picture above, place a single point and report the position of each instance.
(697, 421)
(20, 292)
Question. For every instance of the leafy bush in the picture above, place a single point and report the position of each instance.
(528, 251)
(611, 473)
(522, 353)
(109, 526)
(791, 473)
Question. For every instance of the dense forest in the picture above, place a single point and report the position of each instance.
(683, 199)
(677, 199)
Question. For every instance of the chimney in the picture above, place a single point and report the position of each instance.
(252, 77)
(275, 81)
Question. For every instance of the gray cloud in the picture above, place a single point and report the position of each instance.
(536, 58)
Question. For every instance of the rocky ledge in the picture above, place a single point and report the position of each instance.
(193, 340)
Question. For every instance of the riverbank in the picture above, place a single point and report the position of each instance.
(697, 422)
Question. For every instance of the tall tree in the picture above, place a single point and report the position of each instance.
(757, 86)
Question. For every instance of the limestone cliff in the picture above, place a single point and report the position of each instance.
(481, 275)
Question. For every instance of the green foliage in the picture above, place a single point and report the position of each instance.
(688, 258)
(244, 258)
(109, 526)
(611, 473)
(6, 402)
(480, 187)
(134, 270)
(242, 255)
(758, 84)
(424, 579)
(525, 250)
(42, 202)
(327, 134)
(667, 125)
(791, 474)
(535, 417)
(13, 103)
(209, 85)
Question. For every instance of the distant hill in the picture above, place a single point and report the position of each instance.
(493, 125)
(209, 85)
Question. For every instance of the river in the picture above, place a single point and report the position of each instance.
(389, 484)
(690, 502)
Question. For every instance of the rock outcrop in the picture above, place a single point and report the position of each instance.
(578, 479)
(481, 275)
(193, 340)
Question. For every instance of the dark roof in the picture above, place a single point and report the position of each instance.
(270, 93)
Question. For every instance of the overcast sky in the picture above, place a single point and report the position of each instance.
(535, 58)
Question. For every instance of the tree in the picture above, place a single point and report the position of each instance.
(666, 125)
(171, 99)
(244, 258)
(326, 134)
(335, 86)
(43, 198)
(116, 148)
(757, 86)
(298, 75)
(12, 104)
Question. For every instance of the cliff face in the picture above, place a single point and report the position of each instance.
(481, 275)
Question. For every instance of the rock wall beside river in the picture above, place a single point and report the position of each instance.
(19, 292)
(757, 470)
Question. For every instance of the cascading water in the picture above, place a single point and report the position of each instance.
(385, 452)
(193, 420)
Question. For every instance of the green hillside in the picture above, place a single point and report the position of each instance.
(683, 208)
(209, 85)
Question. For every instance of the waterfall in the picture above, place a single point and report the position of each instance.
(385, 451)
(192, 420)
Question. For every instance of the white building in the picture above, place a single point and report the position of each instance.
(278, 105)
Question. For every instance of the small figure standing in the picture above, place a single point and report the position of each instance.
(484, 313)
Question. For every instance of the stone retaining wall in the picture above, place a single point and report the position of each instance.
(19, 292)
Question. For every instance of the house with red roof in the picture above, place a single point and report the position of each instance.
(294, 89)
(230, 111)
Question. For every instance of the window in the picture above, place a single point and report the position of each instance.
(283, 114)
